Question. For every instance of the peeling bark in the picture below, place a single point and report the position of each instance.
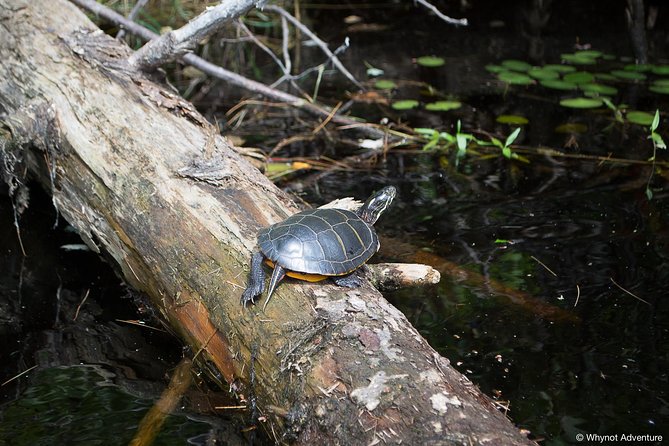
(121, 157)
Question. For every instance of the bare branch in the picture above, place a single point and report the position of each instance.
(228, 76)
(445, 18)
(133, 13)
(175, 44)
(322, 45)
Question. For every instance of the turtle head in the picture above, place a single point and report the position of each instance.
(376, 204)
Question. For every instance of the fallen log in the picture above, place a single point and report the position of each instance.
(147, 182)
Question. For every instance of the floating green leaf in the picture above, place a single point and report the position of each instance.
(661, 70)
(593, 54)
(495, 68)
(605, 77)
(511, 77)
(558, 84)
(581, 102)
(661, 82)
(642, 68)
(542, 73)
(578, 59)
(430, 61)
(599, 89)
(661, 89)
(639, 117)
(385, 84)
(579, 77)
(629, 75)
(405, 104)
(560, 68)
(516, 65)
(512, 119)
(443, 105)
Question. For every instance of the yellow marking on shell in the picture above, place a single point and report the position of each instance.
(301, 276)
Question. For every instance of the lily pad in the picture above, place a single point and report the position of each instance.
(629, 75)
(495, 68)
(581, 102)
(557, 84)
(639, 117)
(443, 105)
(661, 82)
(430, 61)
(560, 68)
(542, 73)
(516, 65)
(642, 68)
(578, 59)
(661, 70)
(589, 53)
(579, 77)
(661, 89)
(405, 104)
(512, 119)
(512, 77)
(605, 77)
(385, 84)
(599, 89)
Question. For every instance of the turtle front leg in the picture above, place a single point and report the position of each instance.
(352, 280)
(256, 283)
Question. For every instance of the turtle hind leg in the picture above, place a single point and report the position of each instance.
(256, 283)
(351, 280)
(278, 274)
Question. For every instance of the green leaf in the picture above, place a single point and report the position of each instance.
(639, 117)
(558, 84)
(542, 73)
(506, 152)
(405, 104)
(495, 68)
(656, 121)
(579, 77)
(512, 137)
(516, 65)
(661, 89)
(426, 132)
(512, 77)
(649, 193)
(385, 84)
(430, 61)
(629, 75)
(461, 141)
(598, 89)
(559, 68)
(443, 105)
(661, 70)
(578, 59)
(658, 141)
(512, 119)
(581, 102)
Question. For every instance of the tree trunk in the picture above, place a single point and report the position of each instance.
(148, 182)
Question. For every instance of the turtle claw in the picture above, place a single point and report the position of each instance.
(256, 283)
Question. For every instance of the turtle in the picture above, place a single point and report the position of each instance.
(317, 244)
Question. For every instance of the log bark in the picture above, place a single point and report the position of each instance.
(149, 183)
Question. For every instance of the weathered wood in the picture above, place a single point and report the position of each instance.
(146, 180)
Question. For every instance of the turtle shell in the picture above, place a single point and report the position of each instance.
(331, 242)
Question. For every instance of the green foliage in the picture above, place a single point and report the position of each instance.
(581, 102)
(405, 104)
(658, 143)
(430, 61)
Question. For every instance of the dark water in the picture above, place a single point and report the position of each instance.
(548, 326)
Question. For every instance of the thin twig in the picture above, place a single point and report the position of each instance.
(131, 16)
(544, 265)
(76, 313)
(139, 324)
(578, 294)
(322, 45)
(228, 76)
(18, 376)
(629, 292)
(445, 18)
